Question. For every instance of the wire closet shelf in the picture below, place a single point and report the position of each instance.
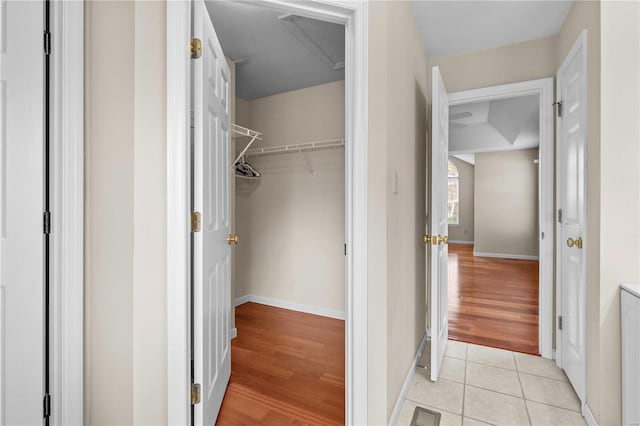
(296, 147)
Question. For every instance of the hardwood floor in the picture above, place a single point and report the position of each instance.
(493, 302)
(287, 367)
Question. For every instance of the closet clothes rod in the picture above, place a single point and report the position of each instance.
(296, 147)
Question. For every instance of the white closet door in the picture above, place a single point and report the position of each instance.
(439, 224)
(571, 81)
(212, 274)
(21, 210)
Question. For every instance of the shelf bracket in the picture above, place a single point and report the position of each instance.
(306, 159)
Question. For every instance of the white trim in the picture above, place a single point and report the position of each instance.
(543, 88)
(505, 255)
(67, 64)
(397, 408)
(580, 43)
(178, 83)
(292, 306)
(588, 415)
(233, 333)
(242, 300)
(462, 242)
(354, 15)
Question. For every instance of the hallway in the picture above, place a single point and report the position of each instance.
(493, 302)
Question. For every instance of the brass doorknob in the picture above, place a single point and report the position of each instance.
(431, 239)
(443, 239)
(577, 242)
(233, 239)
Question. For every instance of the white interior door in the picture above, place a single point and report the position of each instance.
(212, 272)
(439, 223)
(572, 133)
(21, 209)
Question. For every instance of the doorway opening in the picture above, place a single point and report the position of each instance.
(493, 223)
(500, 217)
(287, 215)
(499, 191)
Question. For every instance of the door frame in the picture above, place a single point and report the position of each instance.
(354, 15)
(543, 88)
(580, 43)
(67, 213)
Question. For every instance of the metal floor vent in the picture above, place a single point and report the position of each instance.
(424, 417)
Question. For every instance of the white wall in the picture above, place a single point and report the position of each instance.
(506, 203)
(291, 223)
(464, 231)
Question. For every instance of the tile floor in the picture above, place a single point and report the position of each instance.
(480, 385)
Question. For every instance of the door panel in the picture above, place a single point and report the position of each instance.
(571, 200)
(212, 279)
(439, 325)
(21, 208)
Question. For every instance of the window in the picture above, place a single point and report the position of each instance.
(454, 193)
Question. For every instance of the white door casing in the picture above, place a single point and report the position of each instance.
(212, 260)
(439, 223)
(21, 209)
(571, 177)
(355, 17)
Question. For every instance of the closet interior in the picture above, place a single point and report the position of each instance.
(287, 197)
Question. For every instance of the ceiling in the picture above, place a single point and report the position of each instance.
(497, 125)
(277, 53)
(454, 27)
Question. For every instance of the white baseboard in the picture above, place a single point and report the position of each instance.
(588, 415)
(315, 310)
(241, 300)
(462, 242)
(505, 256)
(395, 415)
(233, 333)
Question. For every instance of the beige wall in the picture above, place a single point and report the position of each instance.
(125, 163)
(490, 67)
(109, 189)
(506, 203)
(398, 93)
(377, 225)
(464, 231)
(291, 223)
(620, 189)
(149, 217)
(585, 14)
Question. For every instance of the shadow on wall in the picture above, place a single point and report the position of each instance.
(420, 159)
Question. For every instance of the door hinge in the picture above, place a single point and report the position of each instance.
(559, 215)
(558, 108)
(196, 219)
(195, 393)
(46, 405)
(47, 43)
(345, 249)
(46, 222)
(560, 322)
(196, 48)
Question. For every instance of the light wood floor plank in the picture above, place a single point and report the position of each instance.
(493, 302)
(287, 367)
